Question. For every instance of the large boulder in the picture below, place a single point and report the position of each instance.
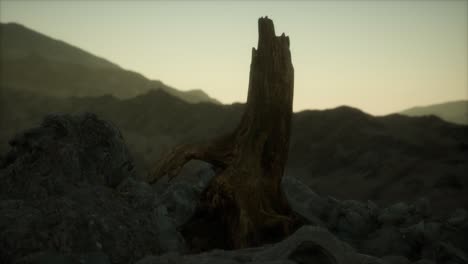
(304, 201)
(68, 192)
(181, 196)
(65, 150)
(353, 220)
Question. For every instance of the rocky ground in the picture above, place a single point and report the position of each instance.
(69, 194)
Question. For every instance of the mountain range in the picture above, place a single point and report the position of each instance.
(342, 152)
(32, 61)
(455, 112)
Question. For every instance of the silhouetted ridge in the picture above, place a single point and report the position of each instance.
(456, 111)
(18, 41)
(35, 62)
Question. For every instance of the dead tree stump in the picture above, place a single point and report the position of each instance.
(246, 193)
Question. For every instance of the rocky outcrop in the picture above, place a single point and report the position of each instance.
(400, 231)
(68, 191)
(58, 194)
(63, 151)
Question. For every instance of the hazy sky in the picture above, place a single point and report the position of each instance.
(379, 56)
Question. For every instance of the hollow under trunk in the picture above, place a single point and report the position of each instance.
(245, 197)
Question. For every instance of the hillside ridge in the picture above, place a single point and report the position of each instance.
(33, 61)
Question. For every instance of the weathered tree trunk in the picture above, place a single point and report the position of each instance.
(246, 193)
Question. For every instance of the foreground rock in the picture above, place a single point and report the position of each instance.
(397, 234)
(68, 192)
(307, 245)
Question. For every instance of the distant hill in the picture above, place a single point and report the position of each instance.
(455, 112)
(18, 42)
(31, 61)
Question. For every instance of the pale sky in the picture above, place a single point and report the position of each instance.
(379, 56)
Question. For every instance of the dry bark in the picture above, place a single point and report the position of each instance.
(246, 192)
